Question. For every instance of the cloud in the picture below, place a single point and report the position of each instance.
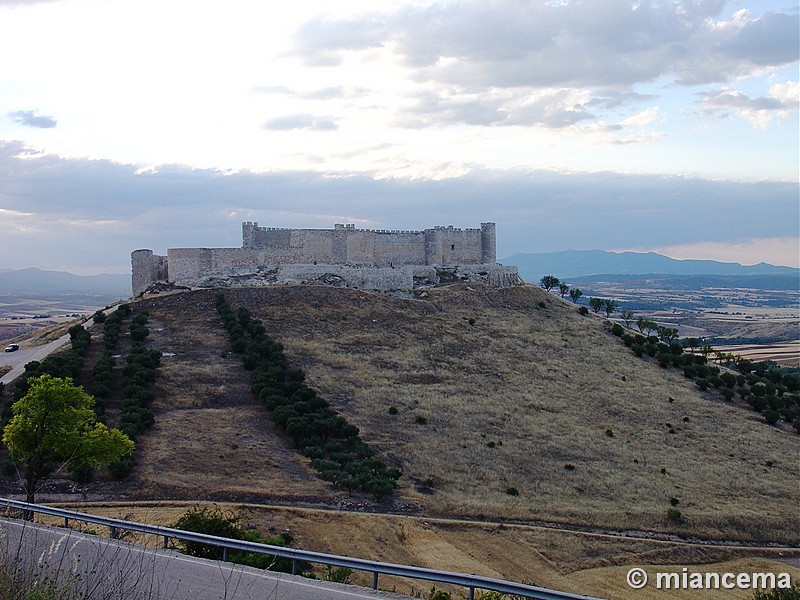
(23, 2)
(56, 211)
(325, 41)
(781, 102)
(777, 251)
(301, 121)
(30, 119)
(603, 43)
(272, 89)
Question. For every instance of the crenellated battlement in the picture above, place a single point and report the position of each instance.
(385, 258)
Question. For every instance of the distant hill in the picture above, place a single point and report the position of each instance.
(579, 263)
(45, 283)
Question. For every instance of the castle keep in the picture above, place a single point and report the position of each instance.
(344, 255)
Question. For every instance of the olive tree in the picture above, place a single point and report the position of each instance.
(597, 304)
(609, 306)
(53, 426)
(549, 282)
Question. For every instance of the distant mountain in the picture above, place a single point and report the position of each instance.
(578, 263)
(36, 281)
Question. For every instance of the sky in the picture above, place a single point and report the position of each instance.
(649, 125)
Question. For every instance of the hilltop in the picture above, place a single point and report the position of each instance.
(534, 445)
(499, 404)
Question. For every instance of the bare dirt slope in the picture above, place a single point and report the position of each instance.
(494, 390)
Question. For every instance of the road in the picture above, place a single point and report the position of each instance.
(17, 360)
(111, 569)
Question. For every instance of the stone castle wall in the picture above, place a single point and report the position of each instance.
(344, 255)
(344, 244)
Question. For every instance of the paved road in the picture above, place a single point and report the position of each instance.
(110, 569)
(17, 360)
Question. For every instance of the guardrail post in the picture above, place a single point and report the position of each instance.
(112, 532)
(472, 593)
(166, 542)
(294, 566)
(66, 522)
(225, 554)
(374, 580)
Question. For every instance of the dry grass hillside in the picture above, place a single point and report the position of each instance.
(493, 390)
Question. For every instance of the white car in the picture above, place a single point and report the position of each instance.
(12, 347)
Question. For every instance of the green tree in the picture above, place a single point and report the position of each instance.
(563, 288)
(53, 425)
(575, 293)
(597, 304)
(647, 325)
(609, 306)
(627, 316)
(667, 334)
(549, 282)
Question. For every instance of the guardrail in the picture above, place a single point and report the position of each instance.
(472, 582)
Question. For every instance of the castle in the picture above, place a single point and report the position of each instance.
(360, 258)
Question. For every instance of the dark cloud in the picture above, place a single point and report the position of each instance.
(769, 40)
(301, 121)
(603, 43)
(30, 119)
(58, 212)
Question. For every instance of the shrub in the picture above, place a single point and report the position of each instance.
(771, 416)
(211, 522)
(439, 595)
(674, 514)
(338, 574)
(491, 595)
(583, 311)
(123, 467)
(392, 410)
(420, 420)
(512, 491)
(792, 593)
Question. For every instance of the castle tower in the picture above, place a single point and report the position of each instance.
(146, 268)
(434, 254)
(248, 234)
(488, 244)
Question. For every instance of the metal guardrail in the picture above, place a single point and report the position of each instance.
(472, 582)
